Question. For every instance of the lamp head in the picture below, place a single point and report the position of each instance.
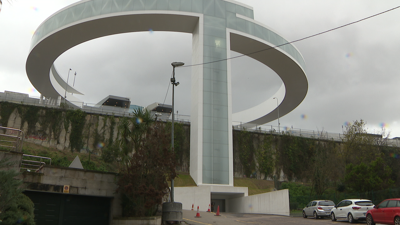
(177, 64)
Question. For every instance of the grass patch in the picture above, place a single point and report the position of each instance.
(65, 158)
(255, 186)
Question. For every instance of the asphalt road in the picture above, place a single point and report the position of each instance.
(252, 219)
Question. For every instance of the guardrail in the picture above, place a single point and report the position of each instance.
(11, 138)
(33, 164)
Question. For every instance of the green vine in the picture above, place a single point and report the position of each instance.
(77, 120)
(265, 156)
(52, 120)
(6, 109)
(29, 114)
(112, 127)
(246, 152)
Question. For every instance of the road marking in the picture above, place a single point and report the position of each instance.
(197, 221)
(246, 222)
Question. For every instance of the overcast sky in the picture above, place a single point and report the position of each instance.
(353, 73)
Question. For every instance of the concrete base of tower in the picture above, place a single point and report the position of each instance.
(232, 199)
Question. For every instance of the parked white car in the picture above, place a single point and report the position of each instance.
(351, 210)
(318, 209)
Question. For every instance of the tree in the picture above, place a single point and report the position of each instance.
(358, 145)
(21, 211)
(15, 207)
(144, 181)
(9, 185)
(367, 177)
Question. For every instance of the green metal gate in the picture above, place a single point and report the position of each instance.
(67, 209)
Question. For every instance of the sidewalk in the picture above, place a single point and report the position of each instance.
(209, 218)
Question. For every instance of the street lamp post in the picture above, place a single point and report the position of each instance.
(74, 81)
(174, 83)
(66, 87)
(277, 106)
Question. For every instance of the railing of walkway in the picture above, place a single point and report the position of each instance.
(11, 138)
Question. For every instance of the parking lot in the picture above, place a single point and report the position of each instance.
(253, 219)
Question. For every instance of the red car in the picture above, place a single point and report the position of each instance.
(387, 212)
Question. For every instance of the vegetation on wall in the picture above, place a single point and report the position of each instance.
(6, 109)
(181, 150)
(265, 156)
(246, 152)
(77, 120)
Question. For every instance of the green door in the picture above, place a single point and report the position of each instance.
(66, 209)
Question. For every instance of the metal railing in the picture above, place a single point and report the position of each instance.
(33, 163)
(11, 138)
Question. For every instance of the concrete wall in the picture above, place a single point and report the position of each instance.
(276, 202)
(14, 157)
(201, 195)
(82, 182)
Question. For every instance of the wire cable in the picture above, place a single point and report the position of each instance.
(169, 84)
(298, 40)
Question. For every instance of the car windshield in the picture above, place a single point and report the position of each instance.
(364, 203)
(327, 203)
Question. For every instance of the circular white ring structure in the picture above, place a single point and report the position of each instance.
(218, 26)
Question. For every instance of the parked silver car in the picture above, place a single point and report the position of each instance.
(351, 209)
(318, 209)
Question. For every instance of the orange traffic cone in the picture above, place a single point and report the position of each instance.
(192, 207)
(217, 212)
(209, 208)
(198, 213)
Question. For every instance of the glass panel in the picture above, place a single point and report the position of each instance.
(150, 4)
(240, 10)
(220, 9)
(207, 150)
(208, 161)
(207, 109)
(214, 31)
(216, 22)
(220, 111)
(174, 5)
(230, 7)
(207, 176)
(221, 178)
(220, 124)
(241, 24)
(220, 150)
(248, 13)
(207, 121)
(231, 20)
(197, 6)
(219, 75)
(207, 136)
(220, 87)
(138, 5)
(162, 5)
(220, 137)
(186, 5)
(207, 97)
(208, 7)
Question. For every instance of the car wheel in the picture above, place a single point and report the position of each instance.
(315, 215)
(397, 221)
(370, 221)
(304, 214)
(333, 218)
(350, 218)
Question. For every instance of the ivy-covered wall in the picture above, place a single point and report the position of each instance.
(255, 154)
